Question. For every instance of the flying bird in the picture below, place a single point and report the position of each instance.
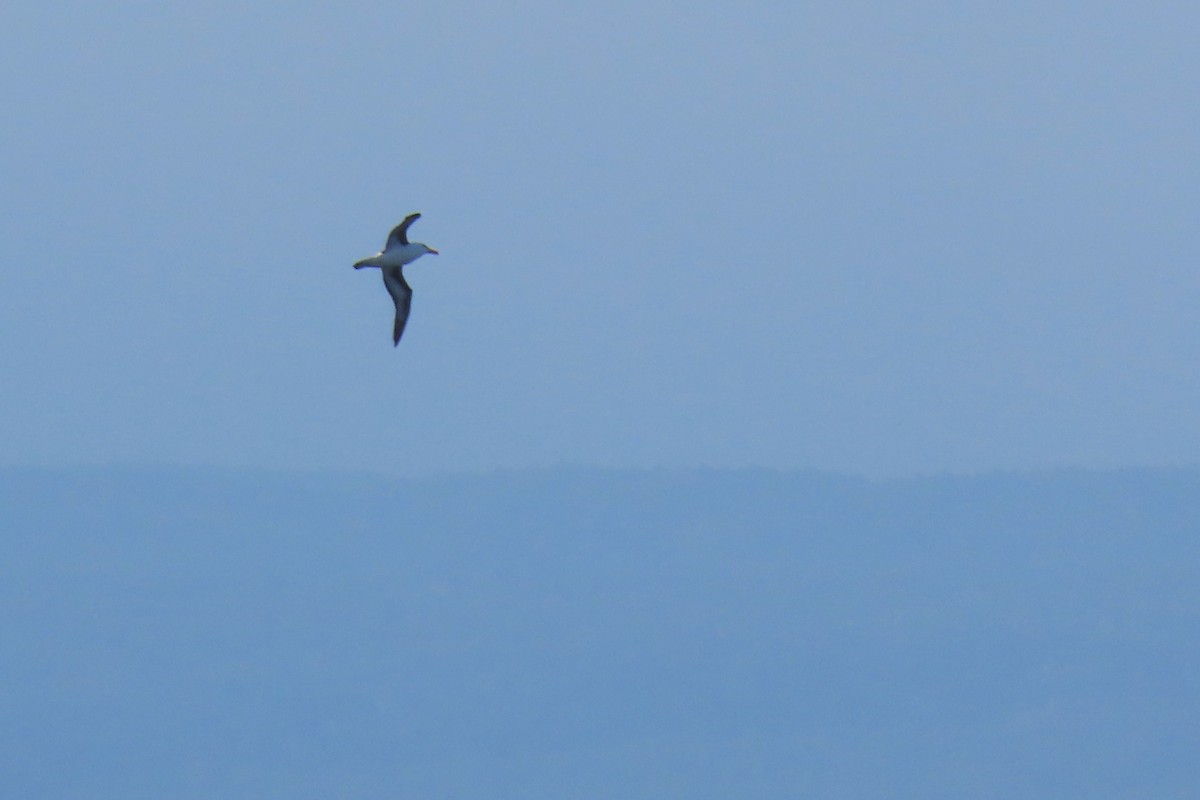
(397, 252)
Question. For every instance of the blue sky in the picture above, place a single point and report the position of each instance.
(889, 241)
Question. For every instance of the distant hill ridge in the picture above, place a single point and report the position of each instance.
(595, 633)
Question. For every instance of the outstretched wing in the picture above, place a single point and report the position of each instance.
(399, 234)
(401, 292)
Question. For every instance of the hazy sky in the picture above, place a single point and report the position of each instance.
(928, 236)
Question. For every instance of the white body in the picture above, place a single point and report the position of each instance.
(395, 256)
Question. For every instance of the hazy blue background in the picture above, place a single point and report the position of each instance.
(873, 241)
(878, 239)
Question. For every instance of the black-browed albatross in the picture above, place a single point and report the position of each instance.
(397, 252)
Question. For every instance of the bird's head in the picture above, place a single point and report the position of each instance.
(429, 249)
